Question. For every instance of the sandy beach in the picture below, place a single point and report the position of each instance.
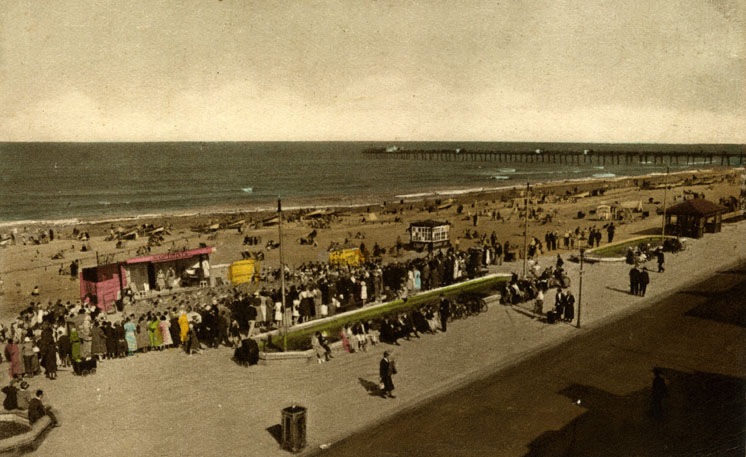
(22, 267)
(166, 403)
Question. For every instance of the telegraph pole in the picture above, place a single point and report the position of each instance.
(282, 275)
(525, 233)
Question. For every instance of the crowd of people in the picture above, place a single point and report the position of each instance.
(79, 335)
(534, 287)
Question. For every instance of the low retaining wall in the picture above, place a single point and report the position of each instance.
(308, 327)
(305, 357)
(28, 441)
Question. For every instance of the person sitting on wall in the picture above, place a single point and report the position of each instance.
(37, 410)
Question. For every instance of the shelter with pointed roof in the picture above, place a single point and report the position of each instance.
(694, 218)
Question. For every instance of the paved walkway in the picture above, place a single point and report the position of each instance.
(171, 404)
(591, 396)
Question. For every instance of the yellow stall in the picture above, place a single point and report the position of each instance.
(352, 257)
(244, 271)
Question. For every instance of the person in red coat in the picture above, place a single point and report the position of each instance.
(12, 354)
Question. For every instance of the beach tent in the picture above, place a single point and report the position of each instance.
(244, 271)
(603, 212)
(371, 217)
(342, 257)
(634, 205)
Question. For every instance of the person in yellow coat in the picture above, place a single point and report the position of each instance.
(183, 326)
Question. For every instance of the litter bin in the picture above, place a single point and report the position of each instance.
(294, 428)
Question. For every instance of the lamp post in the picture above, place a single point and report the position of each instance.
(580, 285)
(525, 233)
(665, 194)
(282, 275)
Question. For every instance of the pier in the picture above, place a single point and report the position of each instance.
(587, 156)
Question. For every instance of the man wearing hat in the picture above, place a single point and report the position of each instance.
(643, 279)
(386, 370)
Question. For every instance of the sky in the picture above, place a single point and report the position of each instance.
(508, 70)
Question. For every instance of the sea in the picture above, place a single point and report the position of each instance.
(68, 181)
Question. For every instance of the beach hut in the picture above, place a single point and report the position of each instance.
(429, 233)
(102, 285)
(694, 218)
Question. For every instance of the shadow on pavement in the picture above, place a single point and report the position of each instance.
(703, 415)
(276, 432)
(371, 387)
(624, 291)
(726, 307)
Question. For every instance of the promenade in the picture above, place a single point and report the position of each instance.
(169, 403)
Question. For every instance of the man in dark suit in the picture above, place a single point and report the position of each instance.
(386, 370)
(661, 259)
(37, 410)
(643, 280)
(445, 312)
(634, 280)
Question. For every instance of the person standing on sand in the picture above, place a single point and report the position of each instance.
(610, 231)
(386, 370)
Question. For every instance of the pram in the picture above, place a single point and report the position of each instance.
(84, 367)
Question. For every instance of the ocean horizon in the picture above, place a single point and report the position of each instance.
(59, 181)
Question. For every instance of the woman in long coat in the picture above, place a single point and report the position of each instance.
(142, 337)
(111, 341)
(154, 332)
(165, 331)
(99, 347)
(48, 352)
(63, 344)
(183, 327)
(129, 334)
(175, 329)
(121, 339)
(13, 356)
(74, 345)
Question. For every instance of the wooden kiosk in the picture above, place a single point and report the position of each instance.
(429, 233)
(693, 218)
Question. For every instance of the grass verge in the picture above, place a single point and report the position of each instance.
(620, 250)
